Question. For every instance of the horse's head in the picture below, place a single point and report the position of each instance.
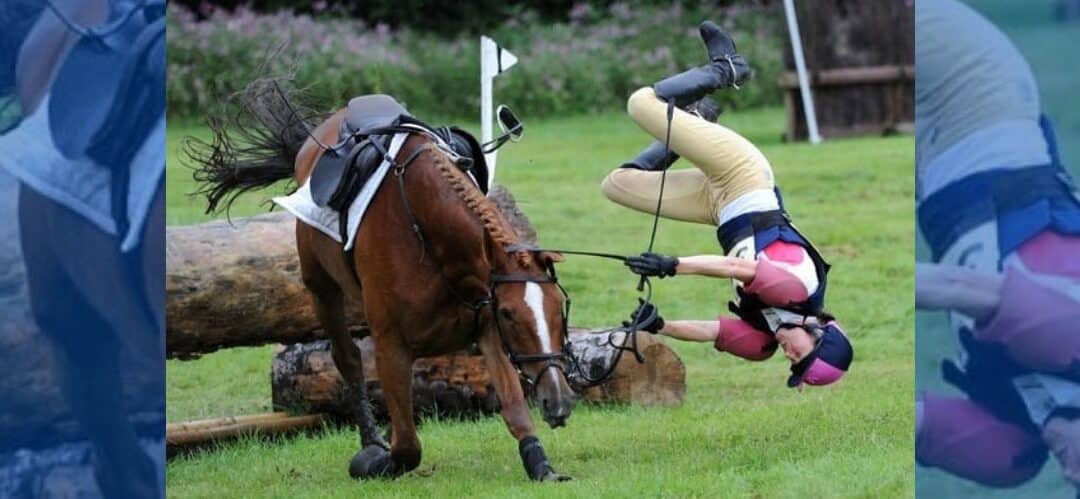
(530, 314)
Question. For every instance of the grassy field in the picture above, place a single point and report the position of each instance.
(1030, 26)
(740, 432)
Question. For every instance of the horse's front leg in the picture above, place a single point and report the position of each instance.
(394, 365)
(514, 409)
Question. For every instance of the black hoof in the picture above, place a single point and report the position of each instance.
(372, 462)
(552, 476)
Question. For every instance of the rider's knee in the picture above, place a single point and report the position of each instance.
(640, 102)
(962, 438)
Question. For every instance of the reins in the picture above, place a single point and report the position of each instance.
(630, 330)
(563, 360)
(491, 299)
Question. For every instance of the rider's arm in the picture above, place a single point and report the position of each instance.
(772, 284)
(946, 287)
(717, 266)
(691, 330)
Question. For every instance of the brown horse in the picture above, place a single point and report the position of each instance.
(461, 277)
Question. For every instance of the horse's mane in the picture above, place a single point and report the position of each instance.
(490, 217)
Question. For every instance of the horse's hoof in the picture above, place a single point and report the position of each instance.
(552, 476)
(371, 462)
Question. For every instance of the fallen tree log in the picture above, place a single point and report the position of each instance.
(304, 379)
(193, 434)
(238, 284)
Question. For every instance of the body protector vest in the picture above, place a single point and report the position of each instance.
(747, 235)
(1019, 204)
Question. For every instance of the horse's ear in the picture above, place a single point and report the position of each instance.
(550, 257)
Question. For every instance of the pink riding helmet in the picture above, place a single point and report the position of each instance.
(827, 362)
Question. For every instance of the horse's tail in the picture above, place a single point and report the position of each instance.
(252, 147)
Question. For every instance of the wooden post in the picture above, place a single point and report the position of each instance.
(860, 57)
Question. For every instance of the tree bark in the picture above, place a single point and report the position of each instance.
(304, 379)
(238, 284)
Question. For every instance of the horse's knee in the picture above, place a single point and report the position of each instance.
(959, 437)
(518, 420)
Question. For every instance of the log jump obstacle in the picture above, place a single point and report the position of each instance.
(232, 284)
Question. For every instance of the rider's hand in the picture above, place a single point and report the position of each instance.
(646, 317)
(653, 264)
(1063, 437)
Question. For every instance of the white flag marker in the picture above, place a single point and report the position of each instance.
(493, 61)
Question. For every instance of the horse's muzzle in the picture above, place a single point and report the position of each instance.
(556, 410)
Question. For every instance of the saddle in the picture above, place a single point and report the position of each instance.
(112, 75)
(371, 121)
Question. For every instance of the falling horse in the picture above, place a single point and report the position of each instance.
(435, 265)
(100, 70)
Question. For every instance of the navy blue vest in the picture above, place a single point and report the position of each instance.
(767, 227)
(1022, 204)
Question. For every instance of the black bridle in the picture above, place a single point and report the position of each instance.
(563, 360)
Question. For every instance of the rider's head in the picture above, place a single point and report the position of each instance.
(819, 351)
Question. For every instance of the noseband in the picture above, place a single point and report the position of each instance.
(562, 360)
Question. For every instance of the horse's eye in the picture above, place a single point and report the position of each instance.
(506, 313)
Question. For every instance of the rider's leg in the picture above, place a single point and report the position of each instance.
(657, 157)
(687, 196)
(726, 68)
(732, 165)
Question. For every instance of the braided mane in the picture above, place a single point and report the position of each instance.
(490, 217)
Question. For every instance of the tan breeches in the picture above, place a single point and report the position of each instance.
(728, 165)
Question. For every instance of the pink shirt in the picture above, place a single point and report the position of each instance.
(785, 274)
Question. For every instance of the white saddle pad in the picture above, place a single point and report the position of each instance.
(325, 219)
(28, 153)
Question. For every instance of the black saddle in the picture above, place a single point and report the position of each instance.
(343, 169)
(370, 123)
(113, 66)
(370, 112)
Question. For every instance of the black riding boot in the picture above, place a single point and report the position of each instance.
(726, 68)
(653, 158)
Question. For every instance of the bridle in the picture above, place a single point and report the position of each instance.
(563, 360)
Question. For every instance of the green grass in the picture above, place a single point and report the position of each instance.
(740, 432)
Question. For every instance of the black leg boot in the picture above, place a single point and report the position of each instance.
(656, 157)
(726, 69)
(721, 50)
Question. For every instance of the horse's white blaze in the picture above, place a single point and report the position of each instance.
(534, 298)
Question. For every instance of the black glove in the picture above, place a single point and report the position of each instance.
(646, 317)
(653, 264)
